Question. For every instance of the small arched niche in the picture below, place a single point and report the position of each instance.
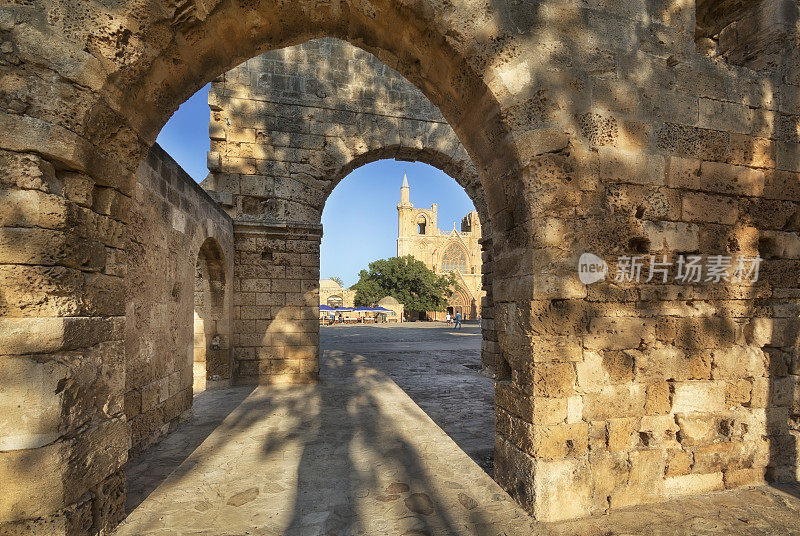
(212, 355)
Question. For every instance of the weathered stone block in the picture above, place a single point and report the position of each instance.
(615, 401)
(620, 434)
(618, 333)
(657, 400)
(679, 462)
(697, 207)
(698, 396)
(562, 489)
(677, 486)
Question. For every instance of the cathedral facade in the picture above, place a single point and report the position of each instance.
(457, 251)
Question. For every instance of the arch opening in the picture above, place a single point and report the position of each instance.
(212, 349)
(424, 328)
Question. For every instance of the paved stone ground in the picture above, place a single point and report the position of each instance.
(356, 455)
(442, 375)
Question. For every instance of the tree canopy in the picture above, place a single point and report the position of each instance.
(407, 280)
(336, 279)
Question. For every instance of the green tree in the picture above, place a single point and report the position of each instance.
(406, 279)
(337, 279)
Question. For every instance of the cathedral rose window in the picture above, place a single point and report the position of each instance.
(454, 260)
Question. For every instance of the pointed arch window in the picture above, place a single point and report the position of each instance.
(421, 224)
(454, 260)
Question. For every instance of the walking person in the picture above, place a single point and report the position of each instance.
(449, 320)
(458, 320)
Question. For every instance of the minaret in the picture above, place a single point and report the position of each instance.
(404, 219)
(405, 193)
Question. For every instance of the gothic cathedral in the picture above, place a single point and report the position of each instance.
(456, 251)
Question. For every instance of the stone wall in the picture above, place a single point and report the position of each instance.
(758, 34)
(286, 127)
(174, 228)
(593, 126)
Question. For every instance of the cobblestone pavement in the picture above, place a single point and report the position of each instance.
(356, 455)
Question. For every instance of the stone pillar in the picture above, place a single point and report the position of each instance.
(63, 438)
(490, 350)
(276, 302)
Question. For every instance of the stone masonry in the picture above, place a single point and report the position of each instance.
(286, 127)
(650, 127)
(174, 228)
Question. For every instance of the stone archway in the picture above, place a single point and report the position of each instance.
(117, 100)
(278, 149)
(572, 157)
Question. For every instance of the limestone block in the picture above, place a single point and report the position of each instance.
(738, 362)
(736, 478)
(29, 245)
(784, 392)
(697, 207)
(683, 173)
(633, 167)
(29, 492)
(683, 140)
(781, 245)
(514, 471)
(558, 287)
(672, 236)
(657, 400)
(574, 409)
(679, 462)
(738, 392)
(759, 393)
(562, 488)
(645, 481)
(214, 161)
(615, 401)
(39, 335)
(698, 396)
(554, 380)
(216, 130)
(590, 373)
(733, 117)
(28, 172)
(729, 179)
(610, 471)
(677, 486)
(28, 208)
(40, 290)
(724, 456)
(662, 363)
(706, 332)
(700, 428)
(759, 331)
(31, 401)
(786, 156)
(64, 470)
(752, 151)
(658, 431)
(287, 366)
(154, 393)
(598, 436)
(552, 442)
(620, 433)
(618, 333)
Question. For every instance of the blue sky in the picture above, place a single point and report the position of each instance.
(360, 216)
